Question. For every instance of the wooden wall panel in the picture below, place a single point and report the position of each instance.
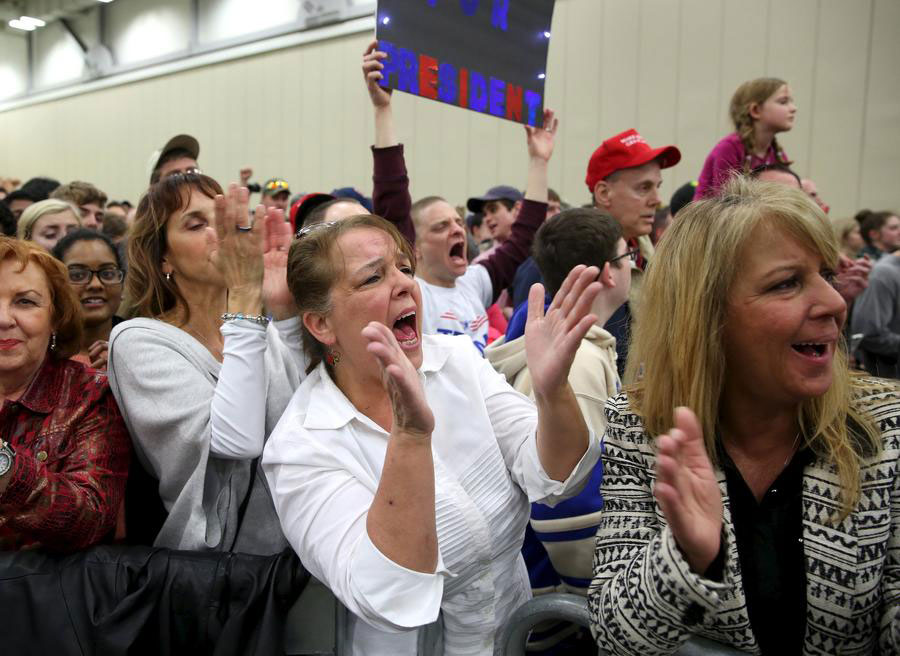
(879, 170)
(838, 100)
(575, 90)
(699, 98)
(791, 56)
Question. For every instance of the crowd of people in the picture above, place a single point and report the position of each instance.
(687, 413)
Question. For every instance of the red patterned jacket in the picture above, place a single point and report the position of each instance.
(71, 464)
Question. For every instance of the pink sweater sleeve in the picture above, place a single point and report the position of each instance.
(723, 160)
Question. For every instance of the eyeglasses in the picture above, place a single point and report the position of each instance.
(272, 185)
(305, 230)
(634, 252)
(79, 275)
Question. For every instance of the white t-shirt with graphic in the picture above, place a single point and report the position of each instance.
(459, 310)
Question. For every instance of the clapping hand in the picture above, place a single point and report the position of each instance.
(552, 339)
(276, 242)
(412, 416)
(239, 253)
(687, 491)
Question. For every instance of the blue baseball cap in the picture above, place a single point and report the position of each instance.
(500, 192)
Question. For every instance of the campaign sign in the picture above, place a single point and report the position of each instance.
(487, 56)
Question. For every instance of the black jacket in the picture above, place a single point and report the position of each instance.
(116, 600)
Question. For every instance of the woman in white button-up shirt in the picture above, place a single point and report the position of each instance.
(403, 468)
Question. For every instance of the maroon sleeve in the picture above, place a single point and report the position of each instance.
(390, 193)
(75, 506)
(503, 262)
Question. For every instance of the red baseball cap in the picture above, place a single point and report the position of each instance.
(302, 207)
(624, 151)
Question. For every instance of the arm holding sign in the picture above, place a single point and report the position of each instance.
(504, 262)
(390, 194)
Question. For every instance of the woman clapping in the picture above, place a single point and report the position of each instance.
(768, 517)
(203, 375)
(403, 467)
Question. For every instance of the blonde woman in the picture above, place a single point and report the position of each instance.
(769, 517)
(48, 221)
(849, 236)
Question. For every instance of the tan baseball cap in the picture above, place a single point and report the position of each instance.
(178, 142)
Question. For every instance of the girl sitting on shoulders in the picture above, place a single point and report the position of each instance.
(759, 109)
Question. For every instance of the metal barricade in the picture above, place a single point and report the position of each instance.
(317, 626)
(573, 608)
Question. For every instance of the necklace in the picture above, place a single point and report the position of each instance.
(215, 350)
(792, 452)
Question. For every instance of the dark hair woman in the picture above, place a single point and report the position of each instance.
(95, 274)
(202, 375)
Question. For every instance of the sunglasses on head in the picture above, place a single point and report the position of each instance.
(305, 230)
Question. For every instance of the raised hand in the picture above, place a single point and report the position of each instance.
(552, 339)
(541, 140)
(412, 416)
(239, 253)
(276, 242)
(687, 491)
(246, 173)
(371, 68)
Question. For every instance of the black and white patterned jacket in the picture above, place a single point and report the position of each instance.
(645, 600)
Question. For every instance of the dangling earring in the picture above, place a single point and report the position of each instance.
(169, 276)
(53, 341)
(332, 357)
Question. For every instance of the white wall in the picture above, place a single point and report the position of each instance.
(13, 65)
(59, 58)
(227, 19)
(143, 30)
(665, 67)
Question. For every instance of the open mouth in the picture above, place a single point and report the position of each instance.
(93, 302)
(811, 349)
(458, 250)
(406, 331)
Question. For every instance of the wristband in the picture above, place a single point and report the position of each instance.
(234, 316)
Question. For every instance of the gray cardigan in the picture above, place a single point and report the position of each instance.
(876, 313)
(164, 381)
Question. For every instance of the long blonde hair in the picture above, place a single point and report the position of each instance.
(687, 288)
(753, 92)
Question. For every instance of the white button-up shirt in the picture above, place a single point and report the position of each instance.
(323, 462)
